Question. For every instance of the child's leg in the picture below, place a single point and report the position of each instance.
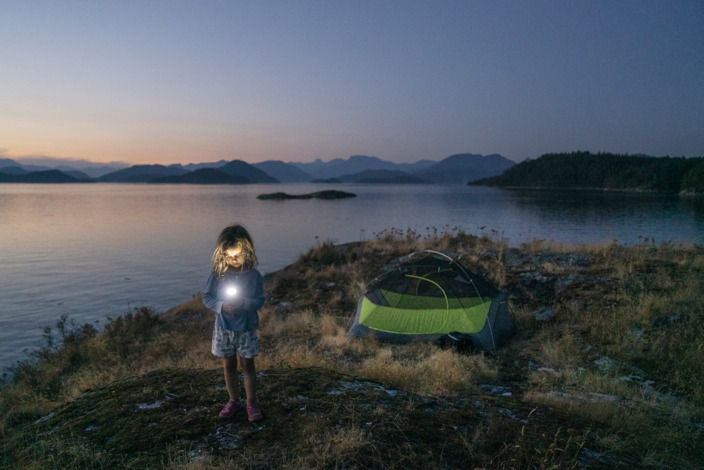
(249, 374)
(231, 377)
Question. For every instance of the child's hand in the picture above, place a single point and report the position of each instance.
(233, 305)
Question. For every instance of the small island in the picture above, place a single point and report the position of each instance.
(329, 194)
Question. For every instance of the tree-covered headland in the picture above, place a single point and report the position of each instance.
(604, 171)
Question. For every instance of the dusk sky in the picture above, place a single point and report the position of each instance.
(174, 81)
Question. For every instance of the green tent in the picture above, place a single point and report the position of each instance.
(429, 296)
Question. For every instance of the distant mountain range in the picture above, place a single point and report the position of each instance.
(568, 170)
(92, 171)
(319, 170)
(141, 174)
(464, 168)
(461, 168)
(44, 176)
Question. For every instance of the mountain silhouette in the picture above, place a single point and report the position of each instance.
(284, 172)
(140, 174)
(202, 176)
(338, 167)
(46, 176)
(234, 172)
(199, 166)
(466, 167)
(253, 174)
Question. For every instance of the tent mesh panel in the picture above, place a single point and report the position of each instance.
(429, 275)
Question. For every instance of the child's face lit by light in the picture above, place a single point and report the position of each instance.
(234, 257)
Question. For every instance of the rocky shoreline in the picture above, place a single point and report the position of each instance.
(582, 383)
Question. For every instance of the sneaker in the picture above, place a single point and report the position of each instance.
(230, 409)
(254, 413)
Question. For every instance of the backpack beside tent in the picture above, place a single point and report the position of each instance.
(429, 296)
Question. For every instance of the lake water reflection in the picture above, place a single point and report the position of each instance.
(98, 250)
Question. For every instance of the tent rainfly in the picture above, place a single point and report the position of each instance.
(428, 296)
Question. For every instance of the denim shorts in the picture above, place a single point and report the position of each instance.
(226, 343)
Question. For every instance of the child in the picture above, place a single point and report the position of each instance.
(234, 292)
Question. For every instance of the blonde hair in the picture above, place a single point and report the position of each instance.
(234, 236)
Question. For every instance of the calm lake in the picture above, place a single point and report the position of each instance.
(93, 251)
